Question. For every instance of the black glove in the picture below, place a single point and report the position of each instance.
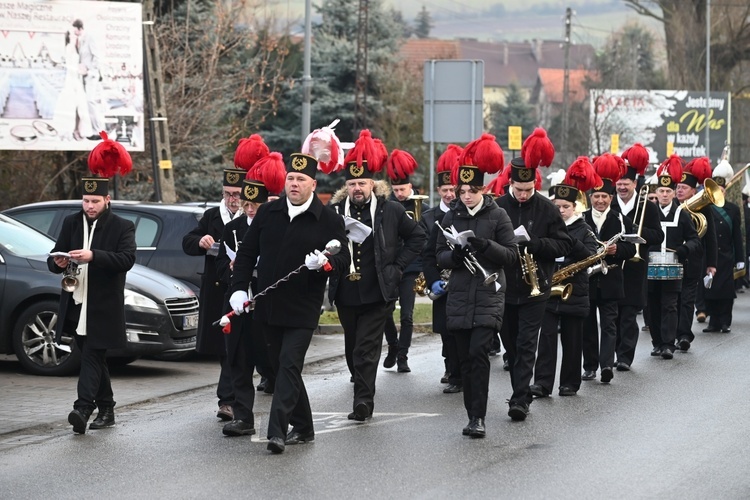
(479, 244)
(682, 253)
(458, 254)
(534, 244)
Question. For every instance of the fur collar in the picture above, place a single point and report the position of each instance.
(381, 189)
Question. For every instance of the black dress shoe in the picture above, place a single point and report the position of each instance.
(270, 386)
(238, 428)
(361, 413)
(666, 353)
(566, 390)
(263, 384)
(726, 329)
(518, 412)
(94, 137)
(477, 430)
(683, 344)
(656, 351)
(506, 365)
(276, 445)
(712, 329)
(105, 418)
(445, 377)
(623, 366)
(452, 389)
(467, 430)
(78, 418)
(390, 358)
(538, 391)
(588, 375)
(403, 365)
(607, 375)
(701, 317)
(295, 437)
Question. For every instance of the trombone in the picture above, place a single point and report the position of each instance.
(473, 265)
(642, 199)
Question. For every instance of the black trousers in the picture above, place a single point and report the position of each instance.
(406, 298)
(94, 384)
(664, 315)
(363, 343)
(452, 361)
(286, 349)
(224, 390)
(686, 309)
(570, 330)
(720, 312)
(627, 333)
(473, 348)
(520, 335)
(594, 355)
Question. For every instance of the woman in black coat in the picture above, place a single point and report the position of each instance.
(565, 316)
(475, 310)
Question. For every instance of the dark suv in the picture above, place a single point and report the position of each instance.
(161, 313)
(159, 229)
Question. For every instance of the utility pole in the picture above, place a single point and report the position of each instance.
(360, 84)
(161, 156)
(566, 87)
(306, 78)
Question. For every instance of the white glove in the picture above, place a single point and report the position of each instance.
(740, 266)
(237, 301)
(315, 260)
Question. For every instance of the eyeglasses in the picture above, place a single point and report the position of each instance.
(236, 195)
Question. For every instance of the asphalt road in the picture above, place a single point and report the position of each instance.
(667, 429)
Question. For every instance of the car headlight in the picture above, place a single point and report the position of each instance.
(136, 299)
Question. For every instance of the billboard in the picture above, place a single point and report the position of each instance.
(665, 121)
(69, 69)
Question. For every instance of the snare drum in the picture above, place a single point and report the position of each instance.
(664, 266)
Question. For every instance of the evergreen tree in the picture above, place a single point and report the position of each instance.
(515, 112)
(423, 23)
(627, 61)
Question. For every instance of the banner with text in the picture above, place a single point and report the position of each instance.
(68, 70)
(665, 121)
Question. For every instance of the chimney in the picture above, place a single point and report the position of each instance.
(505, 53)
(536, 46)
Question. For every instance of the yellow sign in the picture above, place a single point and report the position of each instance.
(515, 138)
(615, 144)
(165, 164)
(670, 149)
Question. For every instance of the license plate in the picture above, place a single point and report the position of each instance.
(189, 322)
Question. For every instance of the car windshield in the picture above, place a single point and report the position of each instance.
(23, 241)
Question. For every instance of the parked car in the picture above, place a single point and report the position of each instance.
(161, 313)
(159, 229)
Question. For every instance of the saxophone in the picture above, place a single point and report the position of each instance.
(529, 270)
(594, 260)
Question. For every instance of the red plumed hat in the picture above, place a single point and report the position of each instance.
(481, 156)
(446, 163)
(400, 166)
(270, 171)
(496, 186)
(249, 151)
(636, 157)
(324, 145)
(581, 175)
(670, 171)
(700, 168)
(609, 168)
(537, 149)
(109, 158)
(368, 156)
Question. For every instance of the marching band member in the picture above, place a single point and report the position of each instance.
(364, 293)
(565, 316)
(475, 302)
(529, 289)
(681, 238)
(605, 287)
(645, 218)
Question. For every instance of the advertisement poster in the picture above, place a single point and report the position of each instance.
(665, 121)
(68, 70)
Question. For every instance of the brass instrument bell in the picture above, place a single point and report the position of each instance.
(69, 281)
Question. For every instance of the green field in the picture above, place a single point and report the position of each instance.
(422, 314)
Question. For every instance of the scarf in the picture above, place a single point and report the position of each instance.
(347, 207)
(445, 208)
(572, 219)
(599, 218)
(295, 210)
(626, 207)
(473, 211)
(81, 294)
(226, 215)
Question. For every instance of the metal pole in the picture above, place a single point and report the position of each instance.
(566, 86)
(432, 132)
(708, 76)
(306, 78)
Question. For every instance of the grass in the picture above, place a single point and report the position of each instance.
(422, 314)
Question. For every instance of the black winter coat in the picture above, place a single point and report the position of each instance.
(471, 303)
(415, 266)
(584, 245)
(114, 247)
(610, 286)
(278, 246)
(432, 272)
(695, 266)
(211, 307)
(398, 242)
(729, 239)
(549, 240)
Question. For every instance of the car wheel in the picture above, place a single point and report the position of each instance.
(34, 342)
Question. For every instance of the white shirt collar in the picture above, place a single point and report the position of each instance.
(295, 210)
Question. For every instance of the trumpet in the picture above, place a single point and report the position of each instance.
(529, 270)
(69, 281)
(473, 265)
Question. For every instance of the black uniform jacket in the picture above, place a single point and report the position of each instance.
(679, 235)
(278, 246)
(114, 247)
(635, 270)
(470, 302)
(584, 245)
(432, 272)
(549, 240)
(211, 307)
(398, 241)
(695, 266)
(729, 239)
(610, 286)
(415, 266)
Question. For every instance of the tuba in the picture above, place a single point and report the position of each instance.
(69, 281)
(711, 194)
(417, 213)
